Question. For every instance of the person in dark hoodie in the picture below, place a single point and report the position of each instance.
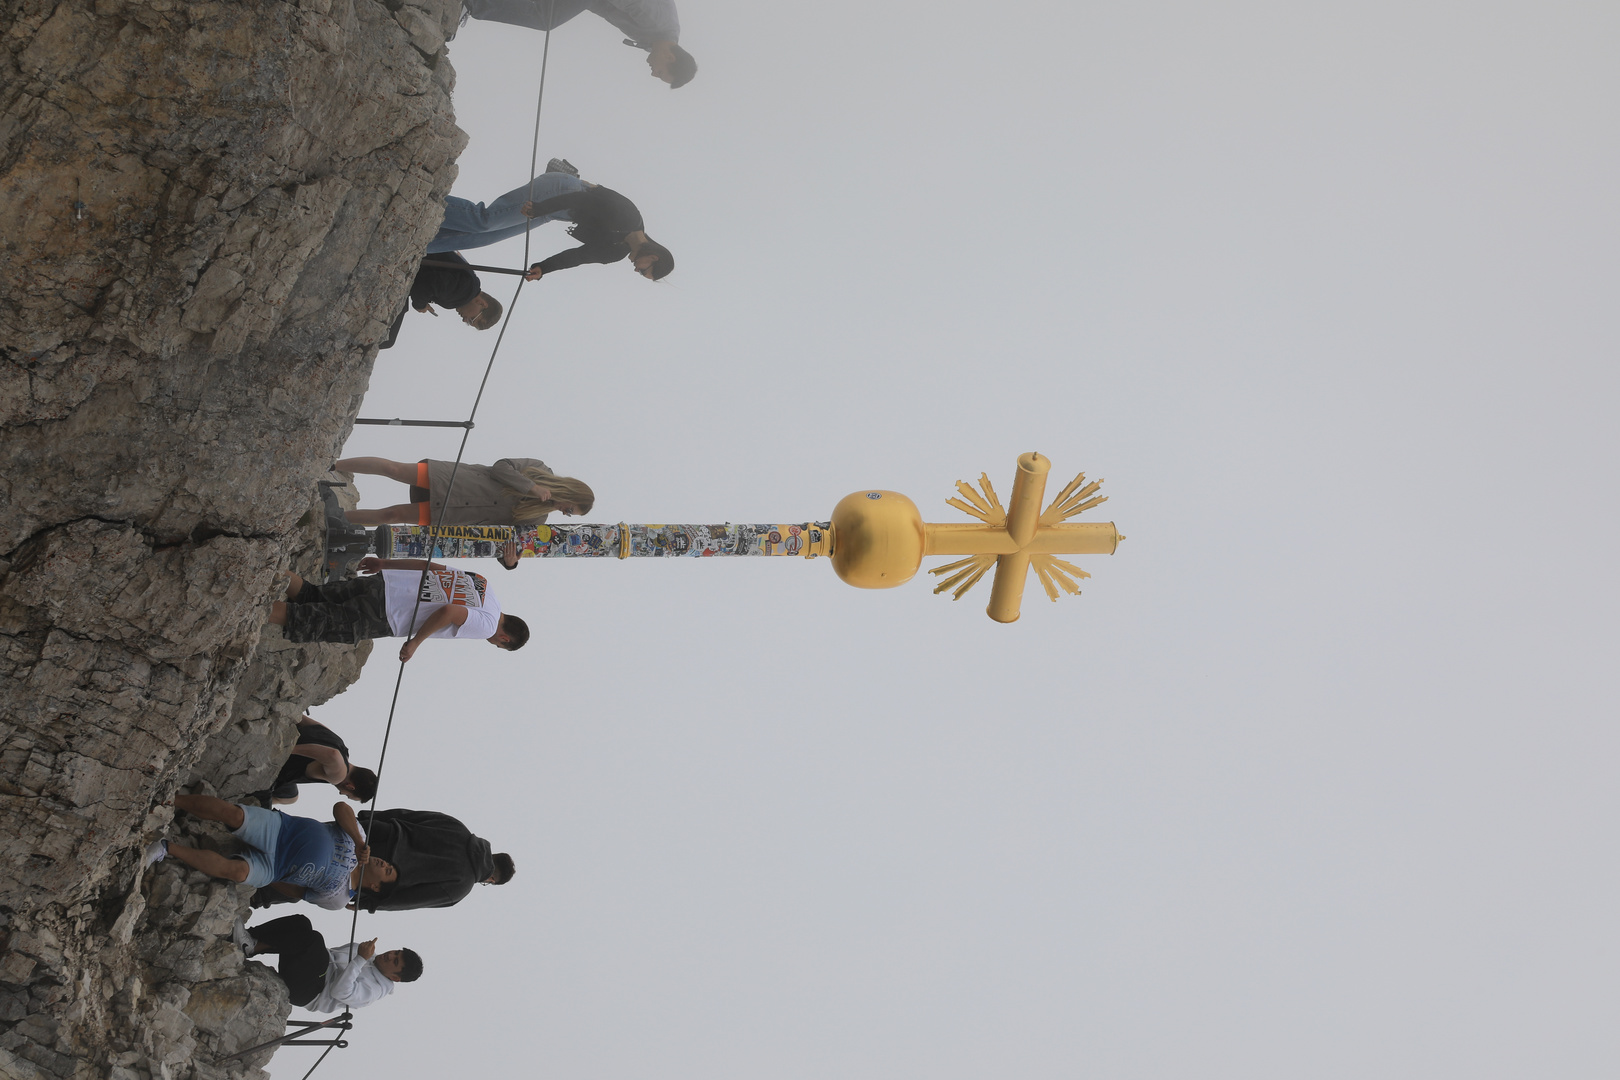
(437, 858)
(607, 225)
(453, 287)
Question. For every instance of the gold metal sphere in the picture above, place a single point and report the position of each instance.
(877, 539)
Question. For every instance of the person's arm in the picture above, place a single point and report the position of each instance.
(644, 21)
(332, 766)
(342, 988)
(371, 564)
(448, 615)
(574, 256)
(343, 814)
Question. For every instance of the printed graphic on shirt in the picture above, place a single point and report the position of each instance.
(331, 889)
(466, 594)
(454, 587)
(307, 855)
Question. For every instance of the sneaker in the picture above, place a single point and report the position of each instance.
(244, 937)
(156, 853)
(562, 165)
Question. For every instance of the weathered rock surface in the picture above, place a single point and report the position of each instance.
(257, 182)
(102, 974)
(209, 213)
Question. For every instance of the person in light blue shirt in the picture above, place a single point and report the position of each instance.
(325, 862)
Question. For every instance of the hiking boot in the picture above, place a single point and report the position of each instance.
(562, 165)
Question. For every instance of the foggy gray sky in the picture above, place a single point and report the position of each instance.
(1315, 779)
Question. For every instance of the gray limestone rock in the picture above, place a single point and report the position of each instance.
(209, 215)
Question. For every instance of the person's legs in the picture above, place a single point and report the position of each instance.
(209, 808)
(398, 514)
(346, 612)
(254, 826)
(341, 591)
(543, 187)
(211, 863)
(403, 471)
(337, 624)
(469, 224)
(301, 951)
(535, 14)
(281, 935)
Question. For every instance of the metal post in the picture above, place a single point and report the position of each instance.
(469, 266)
(397, 422)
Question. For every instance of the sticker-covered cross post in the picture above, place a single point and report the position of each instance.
(875, 540)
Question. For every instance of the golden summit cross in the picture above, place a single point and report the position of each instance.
(1020, 538)
(876, 539)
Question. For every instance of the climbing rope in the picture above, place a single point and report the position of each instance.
(434, 530)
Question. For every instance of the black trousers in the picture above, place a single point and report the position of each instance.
(303, 955)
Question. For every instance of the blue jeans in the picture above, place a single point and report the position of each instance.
(469, 224)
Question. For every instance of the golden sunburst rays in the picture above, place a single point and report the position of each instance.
(970, 570)
(1055, 573)
(1070, 502)
(987, 508)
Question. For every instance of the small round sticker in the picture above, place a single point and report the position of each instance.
(874, 495)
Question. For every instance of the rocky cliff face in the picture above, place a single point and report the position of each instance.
(209, 213)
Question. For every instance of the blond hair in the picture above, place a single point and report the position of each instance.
(564, 489)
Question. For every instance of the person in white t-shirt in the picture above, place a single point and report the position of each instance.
(395, 599)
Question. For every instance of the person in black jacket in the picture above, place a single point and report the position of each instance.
(437, 858)
(450, 287)
(424, 859)
(607, 225)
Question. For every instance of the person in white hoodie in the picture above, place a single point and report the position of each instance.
(327, 980)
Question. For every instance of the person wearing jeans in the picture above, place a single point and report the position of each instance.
(468, 224)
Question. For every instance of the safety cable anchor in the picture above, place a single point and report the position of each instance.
(342, 1022)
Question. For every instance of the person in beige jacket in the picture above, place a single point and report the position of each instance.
(513, 491)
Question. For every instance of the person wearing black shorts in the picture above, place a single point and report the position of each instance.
(320, 757)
